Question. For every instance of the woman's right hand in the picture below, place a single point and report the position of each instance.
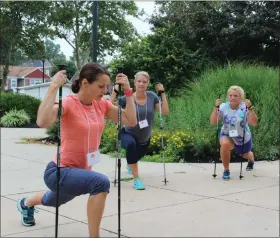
(123, 80)
(59, 79)
(218, 102)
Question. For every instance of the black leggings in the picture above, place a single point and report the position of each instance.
(134, 150)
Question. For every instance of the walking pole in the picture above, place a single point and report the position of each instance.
(241, 159)
(117, 140)
(60, 67)
(116, 165)
(217, 142)
(119, 161)
(162, 142)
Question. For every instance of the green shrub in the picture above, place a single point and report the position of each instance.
(15, 118)
(52, 131)
(108, 139)
(20, 101)
(178, 145)
(187, 132)
(191, 111)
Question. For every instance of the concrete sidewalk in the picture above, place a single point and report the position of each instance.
(192, 204)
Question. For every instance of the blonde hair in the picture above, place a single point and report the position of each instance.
(238, 89)
(142, 73)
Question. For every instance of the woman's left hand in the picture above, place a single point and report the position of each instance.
(159, 87)
(248, 103)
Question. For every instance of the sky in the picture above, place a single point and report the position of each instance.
(142, 27)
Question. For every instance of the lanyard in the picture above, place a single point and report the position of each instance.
(138, 110)
(97, 133)
(236, 111)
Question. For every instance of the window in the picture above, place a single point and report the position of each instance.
(48, 72)
(13, 83)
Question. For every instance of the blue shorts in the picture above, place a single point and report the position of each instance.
(247, 147)
(73, 182)
(238, 148)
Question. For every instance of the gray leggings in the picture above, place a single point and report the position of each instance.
(73, 182)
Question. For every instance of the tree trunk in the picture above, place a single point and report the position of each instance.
(77, 40)
(6, 67)
(77, 51)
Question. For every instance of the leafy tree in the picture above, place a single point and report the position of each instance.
(73, 22)
(227, 30)
(56, 57)
(53, 52)
(189, 37)
(22, 27)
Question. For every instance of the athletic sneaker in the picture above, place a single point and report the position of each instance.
(226, 174)
(128, 169)
(250, 165)
(27, 213)
(138, 185)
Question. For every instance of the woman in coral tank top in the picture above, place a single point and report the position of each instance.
(82, 125)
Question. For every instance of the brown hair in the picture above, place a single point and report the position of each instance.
(90, 71)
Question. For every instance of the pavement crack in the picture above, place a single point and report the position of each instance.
(12, 194)
(247, 204)
(219, 196)
(70, 218)
(35, 161)
(154, 208)
(244, 191)
(172, 190)
(35, 229)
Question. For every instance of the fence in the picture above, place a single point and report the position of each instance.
(39, 90)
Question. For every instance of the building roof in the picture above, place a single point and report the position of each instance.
(37, 63)
(19, 71)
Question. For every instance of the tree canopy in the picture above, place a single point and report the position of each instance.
(188, 37)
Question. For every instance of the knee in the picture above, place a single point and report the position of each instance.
(226, 144)
(106, 184)
(131, 145)
(102, 185)
(247, 155)
(49, 200)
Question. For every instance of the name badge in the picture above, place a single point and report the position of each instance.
(143, 124)
(233, 133)
(93, 158)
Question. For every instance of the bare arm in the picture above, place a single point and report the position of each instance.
(165, 109)
(113, 97)
(114, 94)
(213, 116)
(128, 114)
(252, 117)
(48, 111)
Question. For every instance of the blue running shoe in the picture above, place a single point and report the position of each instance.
(27, 213)
(138, 184)
(226, 174)
(250, 165)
